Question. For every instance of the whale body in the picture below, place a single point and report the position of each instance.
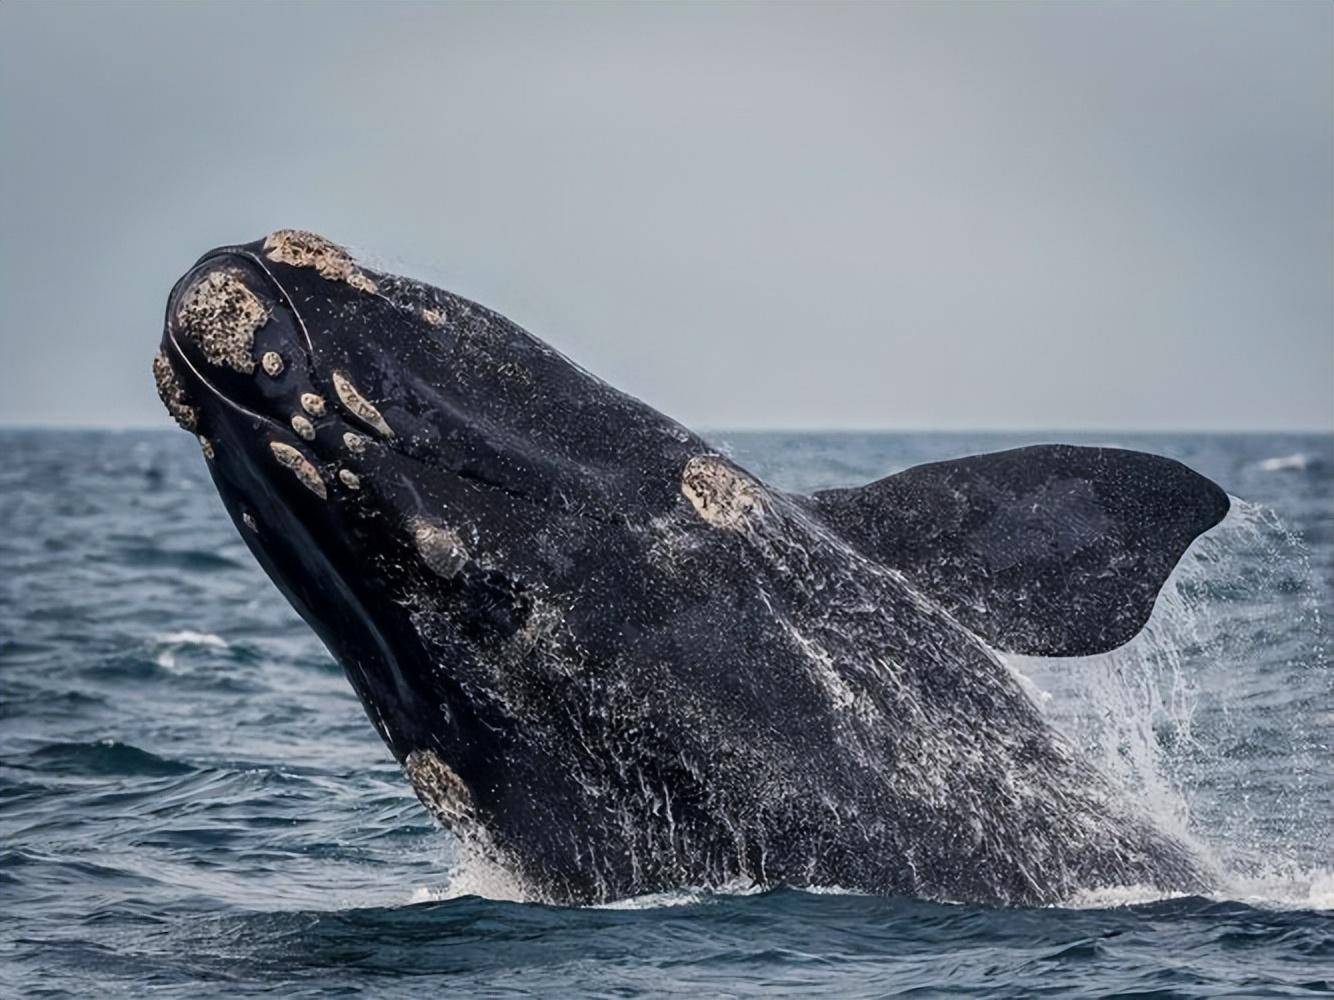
(613, 661)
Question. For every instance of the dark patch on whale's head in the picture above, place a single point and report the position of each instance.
(409, 467)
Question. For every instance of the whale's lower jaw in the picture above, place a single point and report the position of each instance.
(615, 662)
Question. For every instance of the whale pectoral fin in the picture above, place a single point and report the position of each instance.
(1052, 550)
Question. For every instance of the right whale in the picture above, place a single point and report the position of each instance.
(614, 661)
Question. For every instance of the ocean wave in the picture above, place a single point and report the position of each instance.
(1298, 461)
(187, 637)
(166, 649)
(188, 560)
(1311, 890)
(104, 757)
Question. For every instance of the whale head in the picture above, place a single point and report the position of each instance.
(410, 468)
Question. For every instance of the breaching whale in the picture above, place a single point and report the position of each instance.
(613, 661)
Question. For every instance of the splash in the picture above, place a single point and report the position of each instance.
(473, 874)
(1239, 624)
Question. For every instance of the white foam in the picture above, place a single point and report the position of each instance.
(1320, 892)
(1300, 889)
(473, 875)
(1298, 461)
(189, 638)
(657, 900)
(682, 897)
(1310, 889)
(1116, 896)
(169, 642)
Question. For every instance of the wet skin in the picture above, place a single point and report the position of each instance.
(613, 661)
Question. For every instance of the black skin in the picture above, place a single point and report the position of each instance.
(637, 698)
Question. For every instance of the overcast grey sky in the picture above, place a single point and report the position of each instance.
(970, 216)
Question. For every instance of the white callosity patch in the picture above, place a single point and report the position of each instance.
(358, 405)
(206, 446)
(303, 427)
(354, 442)
(441, 548)
(722, 494)
(272, 363)
(349, 479)
(441, 791)
(172, 395)
(436, 317)
(220, 314)
(301, 467)
(302, 249)
(313, 403)
(447, 798)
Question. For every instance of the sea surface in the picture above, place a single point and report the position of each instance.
(192, 802)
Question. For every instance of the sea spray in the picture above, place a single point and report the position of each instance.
(1158, 715)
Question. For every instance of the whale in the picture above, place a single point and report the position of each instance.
(613, 661)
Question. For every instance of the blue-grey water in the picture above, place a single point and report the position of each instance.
(192, 802)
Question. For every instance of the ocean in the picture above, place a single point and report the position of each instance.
(192, 802)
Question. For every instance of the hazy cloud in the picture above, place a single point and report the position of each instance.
(983, 215)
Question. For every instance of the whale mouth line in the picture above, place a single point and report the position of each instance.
(178, 354)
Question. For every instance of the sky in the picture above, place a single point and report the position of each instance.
(970, 216)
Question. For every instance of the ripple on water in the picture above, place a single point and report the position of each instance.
(104, 757)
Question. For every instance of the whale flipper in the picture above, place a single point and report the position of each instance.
(1051, 550)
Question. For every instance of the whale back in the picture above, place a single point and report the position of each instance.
(1050, 550)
